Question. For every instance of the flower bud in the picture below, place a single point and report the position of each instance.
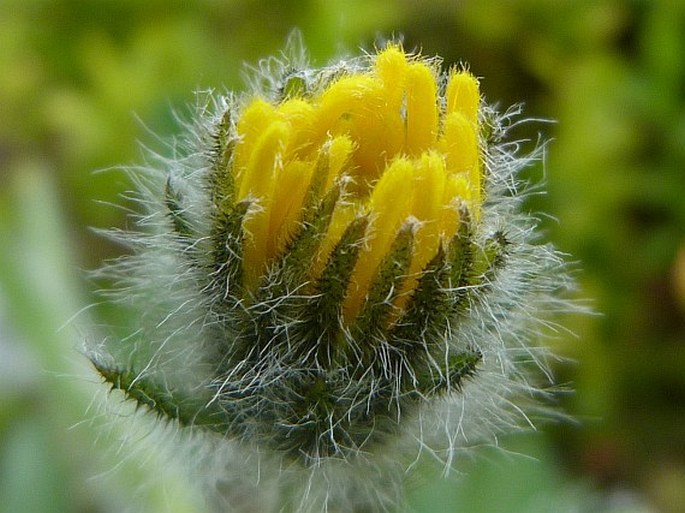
(339, 268)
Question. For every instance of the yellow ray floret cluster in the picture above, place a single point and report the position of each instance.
(405, 153)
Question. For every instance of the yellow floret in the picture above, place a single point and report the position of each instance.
(390, 205)
(421, 109)
(463, 95)
(403, 153)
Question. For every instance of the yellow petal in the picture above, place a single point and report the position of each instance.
(422, 108)
(340, 151)
(391, 67)
(256, 229)
(389, 205)
(463, 95)
(339, 100)
(460, 144)
(300, 115)
(343, 215)
(285, 211)
(265, 155)
(429, 183)
(378, 135)
(258, 182)
(253, 121)
(457, 191)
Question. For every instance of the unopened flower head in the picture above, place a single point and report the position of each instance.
(337, 275)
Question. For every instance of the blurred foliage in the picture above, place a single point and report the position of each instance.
(84, 80)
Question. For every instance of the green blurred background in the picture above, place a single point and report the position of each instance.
(84, 83)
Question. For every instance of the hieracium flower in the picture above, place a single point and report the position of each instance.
(334, 278)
